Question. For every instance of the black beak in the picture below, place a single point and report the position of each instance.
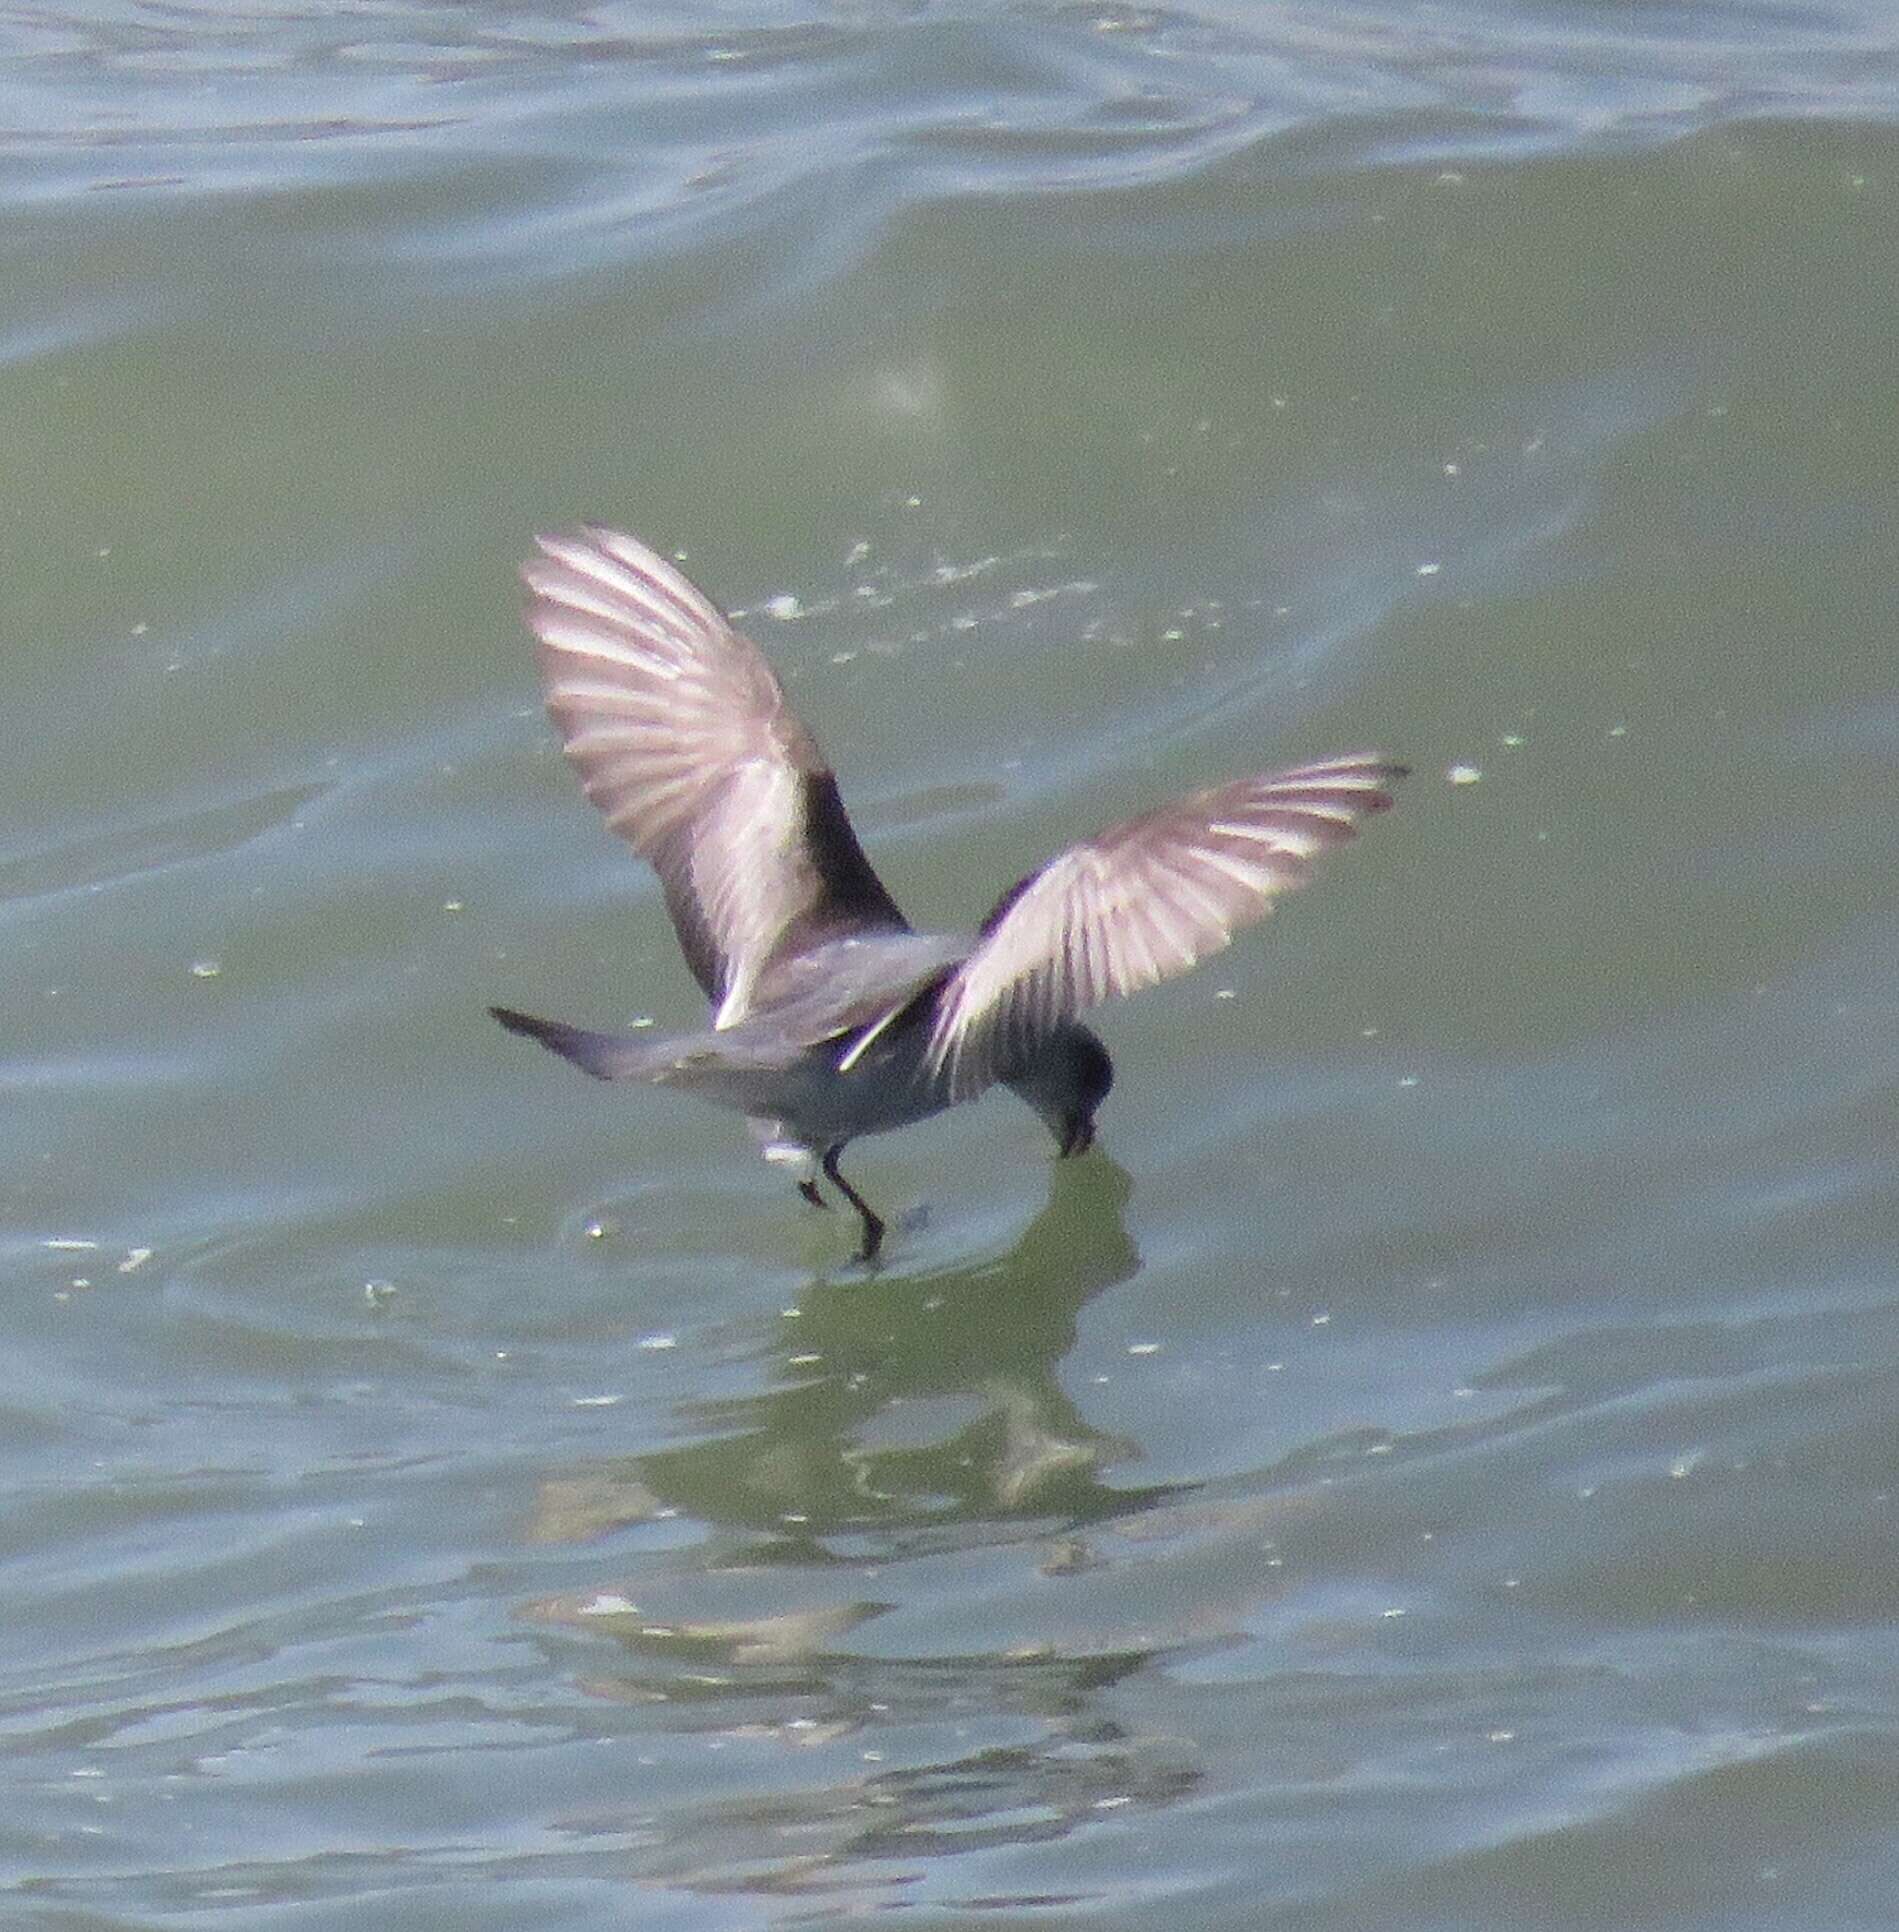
(1078, 1135)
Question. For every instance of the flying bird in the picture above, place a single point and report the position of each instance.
(831, 1016)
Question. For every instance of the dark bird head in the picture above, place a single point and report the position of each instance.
(1068, 1079)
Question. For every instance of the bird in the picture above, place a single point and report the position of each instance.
(831, 1016)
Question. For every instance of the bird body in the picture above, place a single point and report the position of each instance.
(832, 1018)
(786, 1061)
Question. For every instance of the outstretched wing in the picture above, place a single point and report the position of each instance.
(1141, 902)
(683, 736)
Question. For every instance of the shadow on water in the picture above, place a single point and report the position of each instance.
(917, 1447)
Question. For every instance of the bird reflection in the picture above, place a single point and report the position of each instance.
(932, 1408)
(920, 1425)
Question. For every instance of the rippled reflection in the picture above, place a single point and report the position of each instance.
(910, 1422)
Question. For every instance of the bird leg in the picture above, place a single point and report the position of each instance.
(873, 1227)
(809, 1189)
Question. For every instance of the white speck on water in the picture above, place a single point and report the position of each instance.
(609, 1603)
(598, 1401)
(205, 969)
(134, 1258)
(379, 1293)
(1226, 993)
(1618, 731)
(842, 657)
(1408, 1080)
(451, 905)
(1319, 1321)
(1513, 739)
(69, 1244)
(1144, 1348)
(1429, 569)
(1463, 774)
(784, 607)
(601, 1228)
(656, 1342)
(803, 1361)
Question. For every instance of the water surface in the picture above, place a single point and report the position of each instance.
(1436, 1462)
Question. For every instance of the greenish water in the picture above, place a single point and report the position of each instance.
(1436, 1463)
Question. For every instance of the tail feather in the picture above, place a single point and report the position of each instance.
(607, 1056)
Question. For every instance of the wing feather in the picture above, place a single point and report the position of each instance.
(682, 735)
(1141, 902)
